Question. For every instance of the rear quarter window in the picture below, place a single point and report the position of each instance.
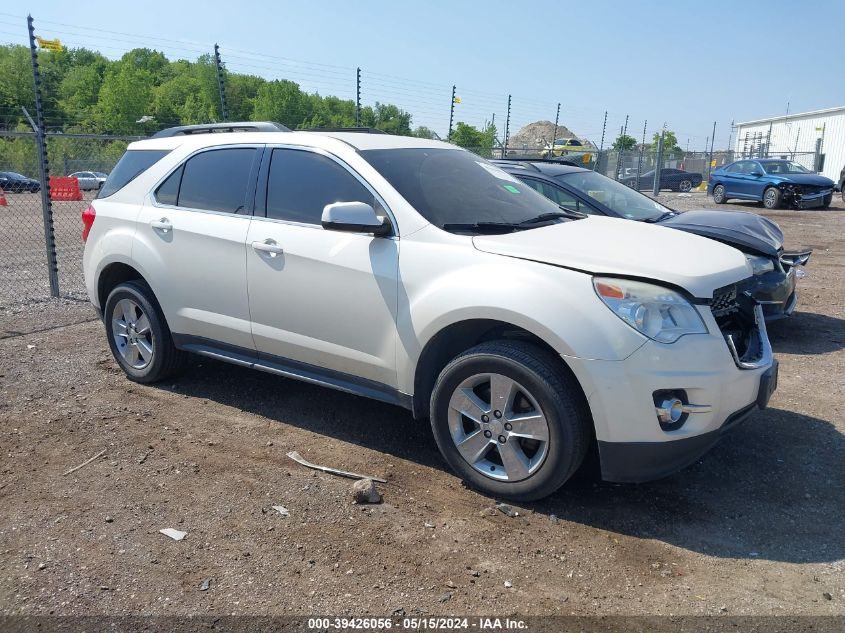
(131, 165)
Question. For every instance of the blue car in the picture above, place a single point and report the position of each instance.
(774, 182)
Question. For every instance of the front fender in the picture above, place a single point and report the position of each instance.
(443, 286)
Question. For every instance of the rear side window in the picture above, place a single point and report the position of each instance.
(301, 183)
(216, 180)
(131, 165)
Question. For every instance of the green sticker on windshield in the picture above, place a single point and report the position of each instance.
(511, 188)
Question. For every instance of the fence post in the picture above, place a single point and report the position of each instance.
(640, 160)
(224, 111)
(358, 97)
(507, 129)
(601, 147)
(658, 166)
(554, 135)
(622, 133)
(710, 157)
(43, 167)
(451, 114)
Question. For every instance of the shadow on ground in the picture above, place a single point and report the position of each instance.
(773, 489)
(807, 333)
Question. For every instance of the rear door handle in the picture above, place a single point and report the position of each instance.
(162, 225)
(269, 246)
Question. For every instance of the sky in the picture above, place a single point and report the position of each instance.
(683, 64)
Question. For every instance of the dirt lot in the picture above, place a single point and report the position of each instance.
(754, 528)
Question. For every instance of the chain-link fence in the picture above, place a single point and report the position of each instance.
(29, 228)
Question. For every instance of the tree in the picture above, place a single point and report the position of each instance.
(624, 142)
(125, 97)
(670, 143)
(470, 137)
(282, 101)
(423, 132)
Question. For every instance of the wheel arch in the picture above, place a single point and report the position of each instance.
(114, 274)
(460, 336)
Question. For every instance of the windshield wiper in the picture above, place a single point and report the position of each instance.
(563, 213)
(493, 227)
(661, 217)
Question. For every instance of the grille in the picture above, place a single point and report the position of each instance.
(724, 301)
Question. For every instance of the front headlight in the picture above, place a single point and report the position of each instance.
(759, 264)
(659, 313)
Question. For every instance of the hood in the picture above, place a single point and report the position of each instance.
(743, 230)
(805, 179)
(612, 246)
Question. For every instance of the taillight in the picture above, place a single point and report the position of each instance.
(88, 217)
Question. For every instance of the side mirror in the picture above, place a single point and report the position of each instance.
(756, 173)
(354, 217)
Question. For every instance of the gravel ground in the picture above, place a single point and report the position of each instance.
(754, 528)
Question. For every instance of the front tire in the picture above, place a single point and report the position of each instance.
(138, 335)
(509, 420)
(685, 186)
(719, 194)
(772, 198)
(827, 200)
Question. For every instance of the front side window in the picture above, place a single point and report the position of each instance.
(301, 183)
(456, 190)
(558, 195)
(216, 180)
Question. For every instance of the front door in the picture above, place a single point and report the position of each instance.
(322, 298)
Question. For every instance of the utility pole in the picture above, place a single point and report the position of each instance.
(43, 166)
(507, 129)
(451, 114)
(640, 161)
(358, 97)
(224, 111)
(601, 146)
(658, 167)
(710, 157)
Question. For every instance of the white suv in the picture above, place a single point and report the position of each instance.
(414, 272)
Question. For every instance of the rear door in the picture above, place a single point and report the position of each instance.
(191, 242)
(322, 298)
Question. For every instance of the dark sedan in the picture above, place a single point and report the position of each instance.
(14, 182)
(585, 191)
(774, 182)
(674, 179)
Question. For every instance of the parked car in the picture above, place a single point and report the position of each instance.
(842, 184)
(89, 180)
(674, 179)
(585, 191)
(774, 182)
(562, 146)
(13, 182)
(526, 333)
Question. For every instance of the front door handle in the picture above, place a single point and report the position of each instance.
(269, 246)
(162, 225)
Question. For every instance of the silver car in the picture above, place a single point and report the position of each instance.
(89, 180)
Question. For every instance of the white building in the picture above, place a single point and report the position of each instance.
(795, 136)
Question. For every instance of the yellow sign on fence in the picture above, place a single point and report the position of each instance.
(50, 45)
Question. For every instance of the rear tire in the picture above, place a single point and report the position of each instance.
(719, 196)
(509, 420)
(772, 198)
(685, 186)
(138, 335)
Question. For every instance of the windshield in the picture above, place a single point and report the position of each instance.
(618, 198)
(783, 167)
(451, 187)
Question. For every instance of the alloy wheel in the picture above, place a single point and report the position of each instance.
(685, 185)
(498, 427)
(132, 334)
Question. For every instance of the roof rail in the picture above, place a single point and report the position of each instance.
(217, 128)
(360, 130)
